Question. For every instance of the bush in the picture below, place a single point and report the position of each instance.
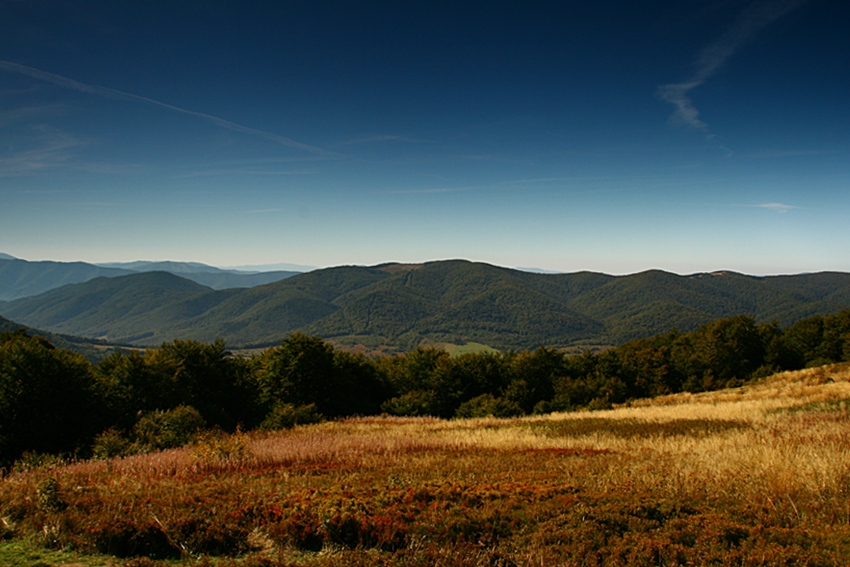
(414, 403)
(487, 405)
(218, 447)
(287, 416)
(212, 536)
(111, 443)
(167, 429)
(31, 460)
(124, 538)
(50, 497)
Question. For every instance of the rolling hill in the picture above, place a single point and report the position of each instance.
(22, 278)
(210, 276)
(93, 350)
(403, 305)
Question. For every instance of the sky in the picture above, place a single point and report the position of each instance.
(682, 135)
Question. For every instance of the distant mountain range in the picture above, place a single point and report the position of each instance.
(403, 305)
(20, 278)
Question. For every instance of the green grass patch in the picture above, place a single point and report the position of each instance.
(22, 553)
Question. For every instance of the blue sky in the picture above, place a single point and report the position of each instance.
(617, 137)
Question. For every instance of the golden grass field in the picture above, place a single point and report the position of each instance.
(758, 475)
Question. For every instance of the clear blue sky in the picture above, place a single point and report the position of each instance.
(609, 136)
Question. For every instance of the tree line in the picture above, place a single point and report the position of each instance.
(54, 401)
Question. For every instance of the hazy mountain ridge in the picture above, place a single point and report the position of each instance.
(22, 278)
(447, 301)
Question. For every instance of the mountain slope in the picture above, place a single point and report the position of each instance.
(21, 278)
(210, 276)
(452, 300)
(448, 301)
(123, 309)
(92, 349)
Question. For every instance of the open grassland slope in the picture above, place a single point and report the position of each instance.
(758, 475)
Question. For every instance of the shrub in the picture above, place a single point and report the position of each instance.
(212, 536)
(302, 529)
(287, 416)
(488, 405)
(167, 429)
(414, 403)
(30, 460)
(218, 447)
(50, 496)
(111, 443)
(124, 538)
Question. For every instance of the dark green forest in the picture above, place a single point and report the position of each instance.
(55, 402)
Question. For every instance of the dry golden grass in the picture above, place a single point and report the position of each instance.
(744, 439)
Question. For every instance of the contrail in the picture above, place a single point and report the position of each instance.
(712, 58)
(67, 83)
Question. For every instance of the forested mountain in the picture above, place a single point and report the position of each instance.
(93, 350)
(448, 301)
(21, 278)
(210, 276)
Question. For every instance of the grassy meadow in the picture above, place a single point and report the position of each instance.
(758, 475)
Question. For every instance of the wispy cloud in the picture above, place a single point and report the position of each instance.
(24, 113)
(240, 171)
(377, 139)
(50, 148)
(714, 56)
(576, 185)
(107, 92)
(435, 190)
(771, 154)
(781, 208)
(264, 211)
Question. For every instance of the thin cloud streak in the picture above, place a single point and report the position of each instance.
(434, 190)
(769, 154)
(13, 116)
(715, 55)
(379, 138)
(107, 92)
(55, 149)
(237, 171)
(264, 211)
(780, 208)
